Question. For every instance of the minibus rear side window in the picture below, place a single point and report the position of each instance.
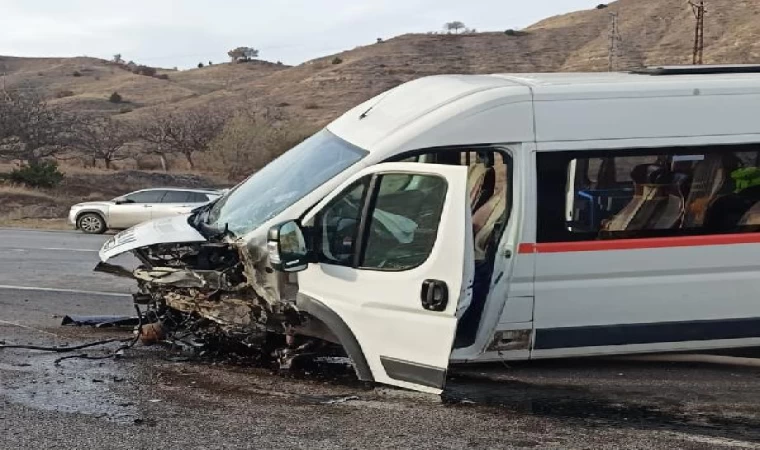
(639, 193)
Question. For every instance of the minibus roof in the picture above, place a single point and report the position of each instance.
(555, 109)
(576, 111)
(615, 84)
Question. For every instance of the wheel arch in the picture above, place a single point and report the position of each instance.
(101, 214)
(341, 330)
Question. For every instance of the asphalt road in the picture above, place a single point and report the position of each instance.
(55, 260)
(153, 398)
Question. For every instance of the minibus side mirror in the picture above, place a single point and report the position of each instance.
(287, 247)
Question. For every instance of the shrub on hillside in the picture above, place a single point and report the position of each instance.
(248, 143)
(64, 93)
(337, 60)
(163, 76)
(146, 162)
(115, 98)
(76, 74)
(144, 70)
(43, 174)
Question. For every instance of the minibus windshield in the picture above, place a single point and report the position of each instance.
(281, 183)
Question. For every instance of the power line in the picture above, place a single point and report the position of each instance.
(613, 51)
(699, 31)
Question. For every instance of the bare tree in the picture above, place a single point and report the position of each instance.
(454, 26)
(243, 54)
(182, 132)
(193, 131)
(31, 129)
(6, 114)
(102, 138)
(154, 133)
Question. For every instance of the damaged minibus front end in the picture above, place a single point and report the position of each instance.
(207, 274)
(201, 285)
(384, 257)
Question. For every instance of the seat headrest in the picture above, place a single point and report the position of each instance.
(681, 179)
(487, 158)
(651, 174)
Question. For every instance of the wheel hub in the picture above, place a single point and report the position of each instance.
(90, 223)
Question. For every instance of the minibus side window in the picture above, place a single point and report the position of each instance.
(639, 193)
(339, 224)
(399, 231)
(403, 224)
(489, 185)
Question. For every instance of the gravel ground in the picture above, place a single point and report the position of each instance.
(153, 398)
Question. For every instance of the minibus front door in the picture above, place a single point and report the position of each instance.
(393, 246)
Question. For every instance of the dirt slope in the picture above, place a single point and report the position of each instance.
(85, 84)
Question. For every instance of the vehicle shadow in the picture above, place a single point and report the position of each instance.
(619, 394)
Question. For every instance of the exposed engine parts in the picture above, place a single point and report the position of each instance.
(200, 297)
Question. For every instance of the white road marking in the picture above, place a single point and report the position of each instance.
(65, 291)
(26, 327)
(55, 249)
(715, 440)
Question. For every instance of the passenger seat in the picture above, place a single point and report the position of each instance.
(481, 182)
(751, 217)
(710, 178)
(487, 205)
(484, 222)
(654, 206)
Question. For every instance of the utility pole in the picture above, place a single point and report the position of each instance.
(613, 51)
(699, 33)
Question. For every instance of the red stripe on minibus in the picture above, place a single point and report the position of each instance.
(639, 244)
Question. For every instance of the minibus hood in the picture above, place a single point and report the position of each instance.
(170, 230)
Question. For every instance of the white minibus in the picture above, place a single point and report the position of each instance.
(471, 218)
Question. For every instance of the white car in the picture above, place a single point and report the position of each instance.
(137, 207)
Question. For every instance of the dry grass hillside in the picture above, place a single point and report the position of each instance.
(653, 32)
(311, 94)
(85, 84)
(658, 32)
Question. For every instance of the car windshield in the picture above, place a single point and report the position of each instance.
(283, 182)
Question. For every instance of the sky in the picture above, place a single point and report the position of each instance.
(181, 33)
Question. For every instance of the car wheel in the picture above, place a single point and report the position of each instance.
(91, 223)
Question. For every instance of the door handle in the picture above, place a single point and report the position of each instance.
(435, 295)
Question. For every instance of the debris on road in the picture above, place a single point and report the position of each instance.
(340, 400)
(62, 349)
(100, 321)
